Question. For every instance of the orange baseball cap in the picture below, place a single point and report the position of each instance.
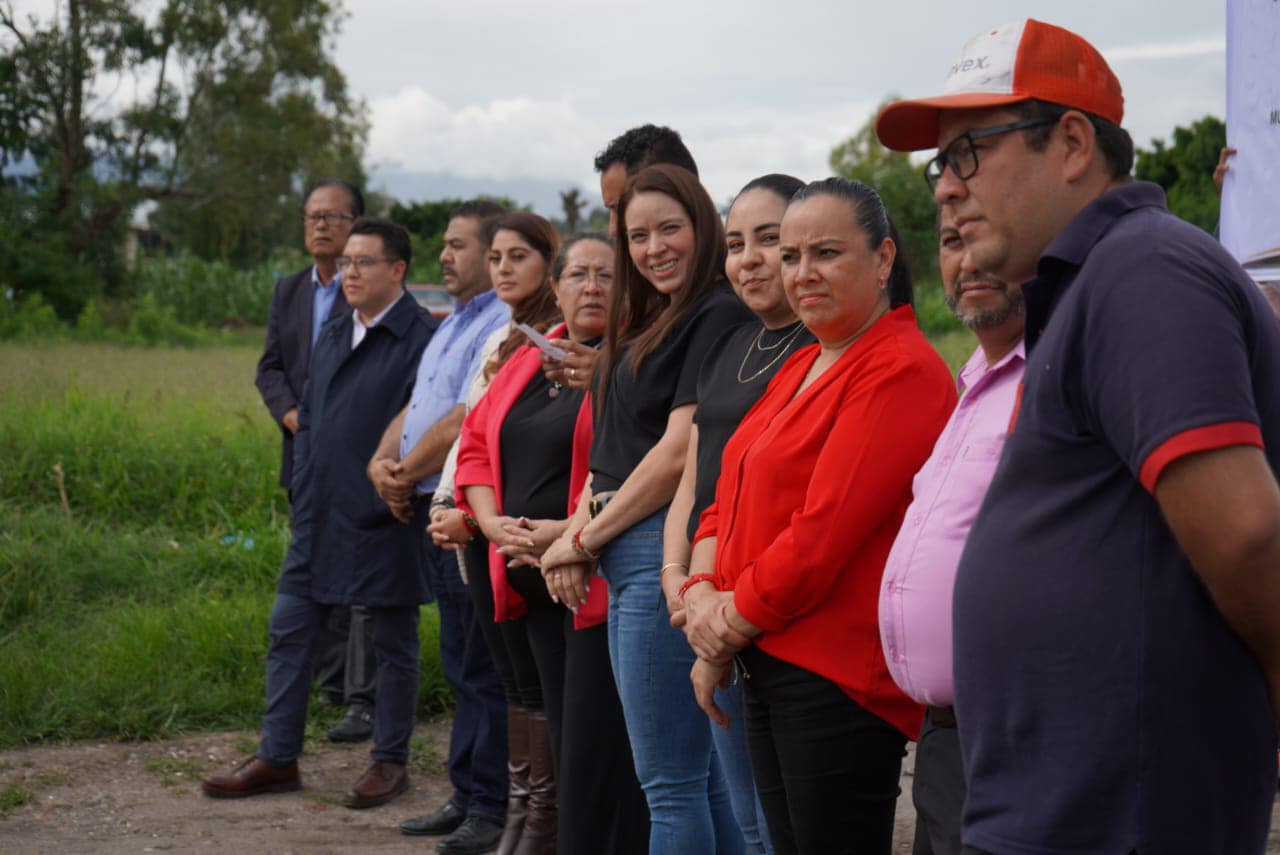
(1021, 61)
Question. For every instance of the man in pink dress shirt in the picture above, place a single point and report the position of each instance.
(915, 595)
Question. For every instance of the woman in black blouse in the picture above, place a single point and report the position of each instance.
(737, 369)
(669, 305)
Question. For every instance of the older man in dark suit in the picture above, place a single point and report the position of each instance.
(347, 547)
(300, 306)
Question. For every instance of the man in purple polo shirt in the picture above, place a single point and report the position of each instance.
(1117, 604)
(915, 594)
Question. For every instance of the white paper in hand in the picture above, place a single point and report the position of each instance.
(544, 344)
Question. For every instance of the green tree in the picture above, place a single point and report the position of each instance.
(902, 187)
(426, 222)
(1185, 170)
(219, 111)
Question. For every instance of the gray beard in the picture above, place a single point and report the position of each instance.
(987, 318)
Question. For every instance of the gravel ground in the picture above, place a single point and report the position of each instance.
(145, 797)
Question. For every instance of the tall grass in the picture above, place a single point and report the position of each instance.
(141, 532)
(210, 293)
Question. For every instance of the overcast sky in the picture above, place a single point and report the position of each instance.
(496, 91)
(517, 96)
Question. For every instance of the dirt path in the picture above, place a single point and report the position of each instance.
(145, 797)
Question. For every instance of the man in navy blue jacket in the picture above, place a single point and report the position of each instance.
(347, 548)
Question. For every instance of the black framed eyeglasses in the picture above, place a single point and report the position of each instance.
(962, 157)
(332, 219)
(361, 262)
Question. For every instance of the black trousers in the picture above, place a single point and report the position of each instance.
(937, 788)
(825, 768)
(508, 642)
(345, 667)
(601, 805)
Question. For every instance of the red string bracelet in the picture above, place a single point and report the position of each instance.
(695, 579)
(580, 548)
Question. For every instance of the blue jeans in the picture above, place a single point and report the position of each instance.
(731, 747)
(478, 742)
(295, 625)
(670, 738)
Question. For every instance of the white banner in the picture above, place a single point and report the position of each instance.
(1250, 222)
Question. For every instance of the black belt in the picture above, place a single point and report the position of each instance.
(943, 716)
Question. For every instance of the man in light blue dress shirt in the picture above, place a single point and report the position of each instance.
(407, 464)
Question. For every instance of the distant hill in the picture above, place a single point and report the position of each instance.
(408, 187)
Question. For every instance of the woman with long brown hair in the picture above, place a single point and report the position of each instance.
(670, 303)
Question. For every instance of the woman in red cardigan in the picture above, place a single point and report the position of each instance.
(522, 464)
(787, 562)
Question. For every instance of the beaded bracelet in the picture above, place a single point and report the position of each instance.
(695, 579)
(470, 523)
(581, 548)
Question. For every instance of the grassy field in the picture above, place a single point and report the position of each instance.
(141, 531)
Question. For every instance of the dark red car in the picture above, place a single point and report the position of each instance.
(434, 298)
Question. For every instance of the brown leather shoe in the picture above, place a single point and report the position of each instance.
(253, 777)
(380, 783)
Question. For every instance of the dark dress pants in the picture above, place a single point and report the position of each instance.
(360, 679)
(478, 742)
(331, 655)
(295, 625)
(825, 768)
(937, 788)
(345, 668)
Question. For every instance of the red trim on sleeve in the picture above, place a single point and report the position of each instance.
(1191, 441)
(1017, 406)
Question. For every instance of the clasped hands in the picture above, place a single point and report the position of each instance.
(567, 575)
(392, 487)
(712, 624)
(716, 631)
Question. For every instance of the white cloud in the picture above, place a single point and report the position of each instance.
(498, 139)
(1166, 50)
(510, 138)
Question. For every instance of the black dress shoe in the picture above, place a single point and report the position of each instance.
(443, 821)
(477, 834)
(356, 726)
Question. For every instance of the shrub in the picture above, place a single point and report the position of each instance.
(931, 310)
(30, 319)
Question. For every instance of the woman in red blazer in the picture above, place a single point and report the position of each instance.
(787, 562)
(522, 464)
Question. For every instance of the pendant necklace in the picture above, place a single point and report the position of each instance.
(782, 346)
(554, 391)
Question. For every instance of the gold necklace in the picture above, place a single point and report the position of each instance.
(782, 346)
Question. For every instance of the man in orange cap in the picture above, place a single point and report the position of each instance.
(1117, 605)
